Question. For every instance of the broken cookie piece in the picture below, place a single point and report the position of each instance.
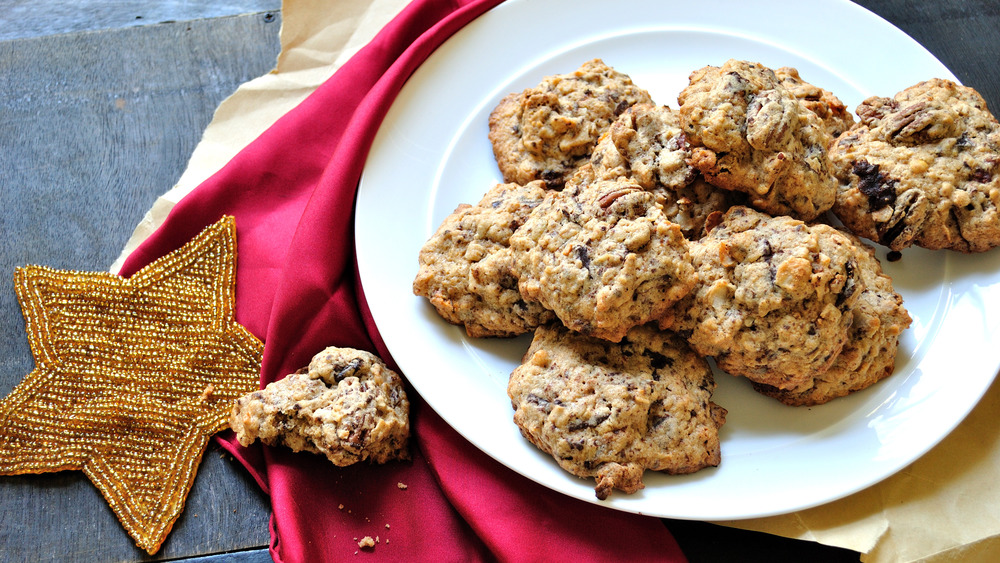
(347, 405)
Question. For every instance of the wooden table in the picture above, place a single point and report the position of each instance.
(100, 109)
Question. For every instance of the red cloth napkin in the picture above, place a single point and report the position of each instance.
(292, 193)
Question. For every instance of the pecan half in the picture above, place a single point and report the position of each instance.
(770, 116)
(607, 199)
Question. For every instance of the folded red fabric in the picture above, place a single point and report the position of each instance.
(292, 193)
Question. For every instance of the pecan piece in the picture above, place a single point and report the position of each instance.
(921, 122)
(770, 116)
(875, 108)
(607, 199)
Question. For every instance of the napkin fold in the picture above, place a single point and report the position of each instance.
(292, 193)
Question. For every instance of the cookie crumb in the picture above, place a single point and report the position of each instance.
(366, 541)
(401, 485)
(386, 526)
(340, 507)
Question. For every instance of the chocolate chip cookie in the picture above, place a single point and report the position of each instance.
(612, 411)
(828, 107)
(466, 267)
(869, 355)
(647, 144)
(750, 134)
(774, 297)
(545, 132)
(347, 405)
(922, 168)
(603, 257)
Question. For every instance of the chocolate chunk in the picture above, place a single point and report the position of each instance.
(888, 235)
(881, 191)
(350, 369)
(658, 360)
(982, 176)
(584, 255)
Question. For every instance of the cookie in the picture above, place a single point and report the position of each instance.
(347, 405)
(613, 411)
(466, 266)
(691, 207)
(869, 355)
(922, 168)
(774, 297)
(750, 134)
(546, 132)
(647, 144)
(603, 257)
(834, 114)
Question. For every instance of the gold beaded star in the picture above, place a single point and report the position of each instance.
(132, 377)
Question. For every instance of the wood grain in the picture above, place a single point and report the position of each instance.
(93, 127)
(31, 18)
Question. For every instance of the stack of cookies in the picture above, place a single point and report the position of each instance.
(637, 241)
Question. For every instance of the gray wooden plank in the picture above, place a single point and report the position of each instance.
(93, 127)
(249, 556)
(31, 18)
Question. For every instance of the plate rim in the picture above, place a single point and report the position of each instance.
(367, 271)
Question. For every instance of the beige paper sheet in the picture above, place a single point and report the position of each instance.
(944, 507)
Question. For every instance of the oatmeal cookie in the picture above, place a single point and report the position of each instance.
(774, 297)
(545, 132)
(347, 405)
(750, 134)
(603, 257)
(612, 411)
(647, 144)
(833, 112)
(869, 355)
(466, 266)
(691, 206)
(922, 168)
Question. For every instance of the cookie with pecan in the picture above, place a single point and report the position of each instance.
(547, 131)
(603, 256)
(869, 355)
(774, 299)
(922, 168)
(466, 266)
(750, 134)
(347, 405)
(613, 411)
(828, 107)
(647, 144)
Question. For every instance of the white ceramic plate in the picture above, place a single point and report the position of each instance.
(432, 153)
